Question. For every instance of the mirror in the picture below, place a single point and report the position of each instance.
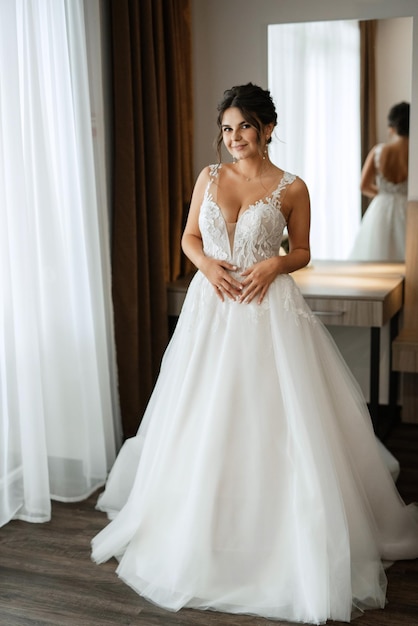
(336, 212)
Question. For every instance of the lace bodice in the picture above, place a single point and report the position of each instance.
(384, 185)
(258, 230)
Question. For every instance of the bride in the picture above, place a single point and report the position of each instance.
(255, 483)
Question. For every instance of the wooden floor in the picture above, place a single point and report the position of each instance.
(47, 577)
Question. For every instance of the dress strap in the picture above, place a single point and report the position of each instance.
(214, 170)
(286, 180)
(213, 175)
(377, 153)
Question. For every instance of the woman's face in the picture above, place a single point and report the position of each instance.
(239, 137)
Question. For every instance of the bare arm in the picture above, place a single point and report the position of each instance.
(298, 227)
(368, 176)
(215, 270)
(259, 277)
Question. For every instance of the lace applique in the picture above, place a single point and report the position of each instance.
(197, 302)
(213, 170)
(384, 185)
(213, 228)
(287, 179)
(201, 298)
(294, 302)
(258, 236)
(258, 232)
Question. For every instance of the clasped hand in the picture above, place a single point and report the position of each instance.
(255, 283)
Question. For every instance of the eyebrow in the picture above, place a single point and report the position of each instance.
(229, 125)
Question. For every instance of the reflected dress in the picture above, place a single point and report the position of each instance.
(254, 484)
(381, 235)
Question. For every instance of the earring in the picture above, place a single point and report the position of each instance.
(265, 152)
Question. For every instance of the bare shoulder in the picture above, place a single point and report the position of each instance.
(299, 185)
(296, 199)
(202, 181)
(369, 162)
(204, 175)
(297, 191)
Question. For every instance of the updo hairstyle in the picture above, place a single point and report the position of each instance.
(398, 118)
(256, 106)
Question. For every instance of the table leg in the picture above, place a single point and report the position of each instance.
(374, 375)
(393, 376)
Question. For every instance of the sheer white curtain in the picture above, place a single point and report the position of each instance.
(314, 77)
(59, 426)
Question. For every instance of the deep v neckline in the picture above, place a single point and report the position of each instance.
(231, 227)
(264, 199)
(249, 208)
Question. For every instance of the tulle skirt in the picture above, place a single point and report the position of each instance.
(382, 232)
(255, 483)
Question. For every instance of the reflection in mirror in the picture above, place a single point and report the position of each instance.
(384, 179)
(314, 77)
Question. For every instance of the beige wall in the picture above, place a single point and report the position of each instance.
(230, 47)
(394, 67)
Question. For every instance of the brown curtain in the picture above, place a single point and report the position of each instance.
(152, 182)
(367, 91)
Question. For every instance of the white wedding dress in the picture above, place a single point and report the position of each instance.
(254, 484)
(381, 235)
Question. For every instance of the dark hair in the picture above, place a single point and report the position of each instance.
(256, 105)
(398, 118)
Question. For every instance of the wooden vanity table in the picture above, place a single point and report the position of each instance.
(344, 293)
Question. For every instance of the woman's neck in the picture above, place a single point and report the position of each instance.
(250, 169)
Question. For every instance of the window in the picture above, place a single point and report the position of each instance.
(57, 389)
